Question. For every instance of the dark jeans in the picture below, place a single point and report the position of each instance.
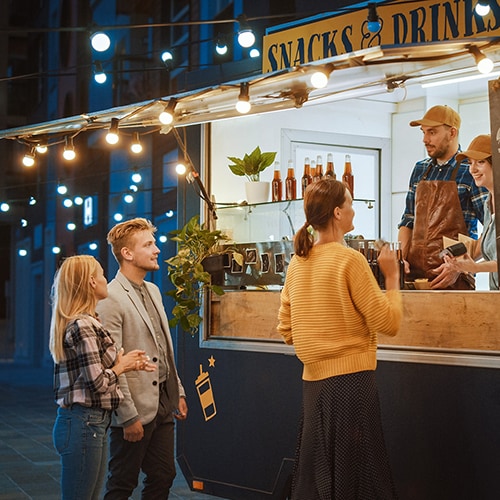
(154, 455)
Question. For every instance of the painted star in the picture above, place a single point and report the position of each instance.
(211, 361)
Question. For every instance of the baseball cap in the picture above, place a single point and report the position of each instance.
(479, 149)
(438, 115)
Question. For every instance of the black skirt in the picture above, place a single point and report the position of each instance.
(341, 452)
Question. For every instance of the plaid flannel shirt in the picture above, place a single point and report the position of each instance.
(471, 197)
(85, 376)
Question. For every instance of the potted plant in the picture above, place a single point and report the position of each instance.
(250, 166)
(188, 270)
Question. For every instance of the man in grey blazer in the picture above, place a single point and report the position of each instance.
(142, 430)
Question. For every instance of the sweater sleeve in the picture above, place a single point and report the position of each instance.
(382, 311)
(284, 319)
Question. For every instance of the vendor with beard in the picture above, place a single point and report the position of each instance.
(442, 200)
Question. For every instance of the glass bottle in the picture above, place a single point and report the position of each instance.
(306, 178)
(318, 175)
(401, 262)
(348, 177)
(372, 260)
(313, 170)
(277, 183)
(330, 168)
(290, 182)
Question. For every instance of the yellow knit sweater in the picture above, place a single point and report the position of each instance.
(332, 309)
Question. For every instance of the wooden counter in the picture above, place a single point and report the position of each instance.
(431, 319)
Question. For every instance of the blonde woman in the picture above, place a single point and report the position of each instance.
(87, 366)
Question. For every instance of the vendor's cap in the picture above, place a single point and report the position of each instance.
(479, 149)
(439, 115)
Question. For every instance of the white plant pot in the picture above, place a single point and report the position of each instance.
(257, 192)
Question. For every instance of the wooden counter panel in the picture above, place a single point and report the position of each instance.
(432, 319)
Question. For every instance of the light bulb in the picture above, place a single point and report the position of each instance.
(482, 8)
(243, 106)
(100, 41)
(485, 65)
(319, 80)
(180, 168)
(136, 146)
(136, 177)
(29, 159)
(246, 38)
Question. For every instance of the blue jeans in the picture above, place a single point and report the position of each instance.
(80, 438)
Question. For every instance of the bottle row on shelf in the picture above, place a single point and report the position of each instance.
(313, 171)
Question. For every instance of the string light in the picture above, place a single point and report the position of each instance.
(136, 177)
(29, 158)
(484, 64)
(319, 78)
(221, 45)
(136, 146)
(180, 169)
(373, 19)
(243, 105)
(112, 135)
(246, 37)
(62, 189)
(167, 115)
(69, 149)
(100, 41)
(99, 75)
(168, 59)
(483, 7)
(41, 148)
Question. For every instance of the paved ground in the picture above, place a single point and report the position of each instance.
(29, 465)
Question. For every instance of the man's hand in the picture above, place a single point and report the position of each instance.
(446, 276)
(182, 411)
(134, 432)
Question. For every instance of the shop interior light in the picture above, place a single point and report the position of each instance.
(162, 238)
(4, 207)
(136, 146)
(100, 41)
(246, 36)
(243, 105)
(78, 200)
(128, 198)
(254, 53)
(221, 45)
(67, 202)
(112, 135)
(62, 189)
(373, 19)
(93, 246)
(22, 252)
(32, 201)
(99, 75)
(118, 217)
(319, 79)
(483, 7)
(56, 250)
(70, 226)
(29, 158)
(458, 79)
(484, 64)
(167, 115)
(69, 149)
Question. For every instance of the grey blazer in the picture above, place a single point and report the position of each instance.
(124, 316)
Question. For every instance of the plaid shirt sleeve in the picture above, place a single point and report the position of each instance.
(85, 376)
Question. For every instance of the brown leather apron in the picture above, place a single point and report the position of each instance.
(438, 213)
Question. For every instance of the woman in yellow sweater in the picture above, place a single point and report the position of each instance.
(331, 311)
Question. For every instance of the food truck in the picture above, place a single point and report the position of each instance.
(438, 378)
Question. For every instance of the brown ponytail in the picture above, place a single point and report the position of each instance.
(320, 200)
